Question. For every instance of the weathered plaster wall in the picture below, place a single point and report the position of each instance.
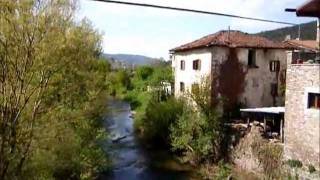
(257, 85)
(302, 125)
(190, 76)
(257, 92)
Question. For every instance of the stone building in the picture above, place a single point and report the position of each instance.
(248, 69)
(302, 105)
(302, 114)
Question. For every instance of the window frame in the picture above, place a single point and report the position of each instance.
(274, 66)
(196, 64)
(182, 65)
(315, 103)
(252, 57)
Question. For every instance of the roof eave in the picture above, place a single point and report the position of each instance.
(254, 47)
(309, 9)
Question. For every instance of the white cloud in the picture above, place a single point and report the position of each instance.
(153, 32)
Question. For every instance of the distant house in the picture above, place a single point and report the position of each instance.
(302, 105)
(305, 52)
(244, 69)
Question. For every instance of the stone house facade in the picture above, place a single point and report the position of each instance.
(302, 105)
(249, 69)
(302, 114)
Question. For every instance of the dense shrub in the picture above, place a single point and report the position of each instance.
(144, 72)
(198, 132)
(197, 135)
(159, 116)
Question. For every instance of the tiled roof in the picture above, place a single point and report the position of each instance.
(311, 45)
(233, 39)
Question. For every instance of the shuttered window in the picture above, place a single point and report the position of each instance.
(274, 66)
(196, 64)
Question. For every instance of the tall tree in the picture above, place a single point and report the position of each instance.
(44, 59)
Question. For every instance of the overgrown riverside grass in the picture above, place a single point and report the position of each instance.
(52, 92)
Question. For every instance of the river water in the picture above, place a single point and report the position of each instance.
(130, 159)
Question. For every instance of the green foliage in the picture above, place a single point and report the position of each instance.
(146, 86)
(308, 31)
(119, 82)
(223, 172)
(311, 168)
(52, 92)
(144, 72)
(199, 133)
(294, 163)
(159, 116)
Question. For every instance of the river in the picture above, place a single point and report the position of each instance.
(130, 159)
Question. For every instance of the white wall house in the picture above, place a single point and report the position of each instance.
(262, 62)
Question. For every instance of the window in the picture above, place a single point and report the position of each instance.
(182, 65)
(182, 87)
(314, 100)
(196, 64)
(252, 59)
(195, 88)
(274, 66)
(274, 89)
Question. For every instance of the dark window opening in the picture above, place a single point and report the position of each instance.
(182, 88)
(252, 59)
(314, 100)
(182, 65)
(195, 88)
(196, 64)
(274, 66)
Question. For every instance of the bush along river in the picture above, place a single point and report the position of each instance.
(130, 159)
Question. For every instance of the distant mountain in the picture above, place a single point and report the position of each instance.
(307, 32)
(130, 60)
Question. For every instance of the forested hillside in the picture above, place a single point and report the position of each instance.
(308, 31)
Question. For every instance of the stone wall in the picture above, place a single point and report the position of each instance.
(302, 124)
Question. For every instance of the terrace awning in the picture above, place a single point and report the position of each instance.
(267, 110)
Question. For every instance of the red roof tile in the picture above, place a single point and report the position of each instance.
(311, 45)
(236, 39)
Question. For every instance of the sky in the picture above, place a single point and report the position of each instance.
(153, 32)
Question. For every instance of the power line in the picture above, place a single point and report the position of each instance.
(194, 11)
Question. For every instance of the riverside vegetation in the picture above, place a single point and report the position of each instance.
(192, 128)
(52, 89)
(193, 131)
